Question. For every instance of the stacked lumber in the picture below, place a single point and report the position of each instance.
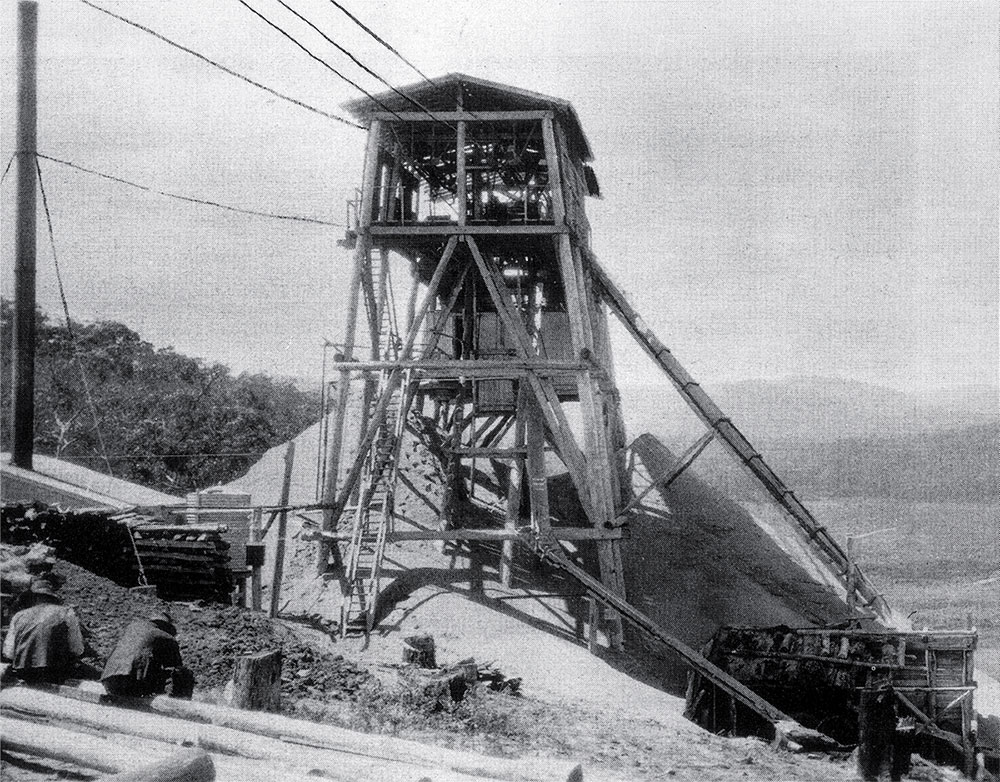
(245, 746)
(92, 539)
(186, 561)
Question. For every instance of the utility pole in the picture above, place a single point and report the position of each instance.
(23, 380)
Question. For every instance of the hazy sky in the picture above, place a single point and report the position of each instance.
(789, 189)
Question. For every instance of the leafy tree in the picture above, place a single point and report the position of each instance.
(164, 420)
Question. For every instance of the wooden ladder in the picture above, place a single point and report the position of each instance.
(374, 511)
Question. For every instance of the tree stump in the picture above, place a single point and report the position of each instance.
(256, 682)
(419, 650)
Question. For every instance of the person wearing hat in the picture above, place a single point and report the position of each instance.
(44, 642)
(147, 661)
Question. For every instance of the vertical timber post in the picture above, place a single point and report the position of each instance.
(23, 370)
(279, 549)
(603, 485)
(343, 385)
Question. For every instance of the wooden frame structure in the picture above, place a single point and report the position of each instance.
(819, 673)
(472, 199)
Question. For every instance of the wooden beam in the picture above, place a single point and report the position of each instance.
(543, 389)
(498, 368)
(552, 552)
(454, 229)
(279, 549)
(513, 511)
(393, 381)
(560, 533)
(499, 453)
(460, 184)
(456, 116)
(538, 484)
(343, 391)
(675, 472)
(552, 157)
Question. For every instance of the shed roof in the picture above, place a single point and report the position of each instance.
(477, 94)
(58, 482)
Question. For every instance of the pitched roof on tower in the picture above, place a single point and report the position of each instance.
(475, 94)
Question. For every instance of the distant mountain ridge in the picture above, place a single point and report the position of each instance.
(818, 409)
(836, 438)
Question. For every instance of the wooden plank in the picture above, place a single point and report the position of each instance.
(454, 229)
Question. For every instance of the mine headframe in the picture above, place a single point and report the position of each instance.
(475, 298)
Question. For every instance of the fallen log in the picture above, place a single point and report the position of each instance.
(46, 741)
(187, 765)
(303, 757)
(373, 746)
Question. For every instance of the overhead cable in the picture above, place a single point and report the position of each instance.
(7, 167)
(190, 199)
(69, 326)
(316, 57)
(375, 35)
(361, 65)
(223, 68)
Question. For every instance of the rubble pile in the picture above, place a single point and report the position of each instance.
(210, 636)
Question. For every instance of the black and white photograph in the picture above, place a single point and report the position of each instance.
(522, 391)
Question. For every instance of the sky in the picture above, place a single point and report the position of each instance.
(789, 189)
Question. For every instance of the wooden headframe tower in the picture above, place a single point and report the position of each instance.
(480, 187)
(472, 202)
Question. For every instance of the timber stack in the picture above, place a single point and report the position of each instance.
(184, 561)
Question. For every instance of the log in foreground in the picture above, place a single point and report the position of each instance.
(186, 765)
(306, 748)
(53, 743)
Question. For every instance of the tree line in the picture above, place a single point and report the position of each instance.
(160, 418)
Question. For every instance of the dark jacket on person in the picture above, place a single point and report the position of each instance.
(44, 641)
(142, 662)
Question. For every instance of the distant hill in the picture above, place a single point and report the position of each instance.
(956, 464)
(816, 408)
(837, 438)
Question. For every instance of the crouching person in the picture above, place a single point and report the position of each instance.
(44, 642)
(147, 661)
